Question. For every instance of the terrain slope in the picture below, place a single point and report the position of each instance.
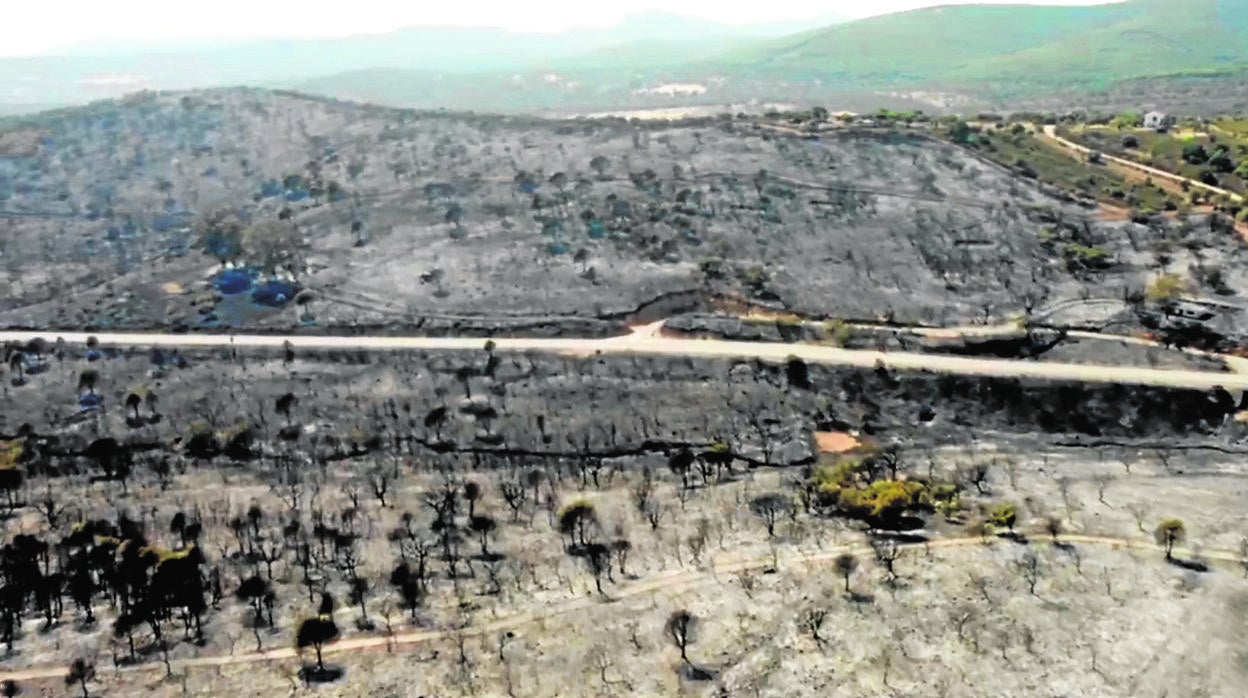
(443, 223)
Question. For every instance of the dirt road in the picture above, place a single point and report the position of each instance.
(648, 344)
(1050, 132)
(668, 581)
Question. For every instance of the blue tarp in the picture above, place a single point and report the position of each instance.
(274, 294)
(234, 281)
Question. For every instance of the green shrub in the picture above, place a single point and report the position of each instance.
(839, 486)
(1084, 257)
(838, 332)
(1004, 516)
(1195, 154)
(960, 132)
(756, 277)
(883, 499)
(1127, 119)
(1166, 287)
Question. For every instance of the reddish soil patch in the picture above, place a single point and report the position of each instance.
(1241, 227)
(1141, 177)
(1107, 212)
(1110, 212)
(836, 441)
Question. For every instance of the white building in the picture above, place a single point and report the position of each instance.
(1159, 121)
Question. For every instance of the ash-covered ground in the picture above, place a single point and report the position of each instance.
(441, 223)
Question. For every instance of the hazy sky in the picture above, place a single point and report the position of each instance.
(36, 26)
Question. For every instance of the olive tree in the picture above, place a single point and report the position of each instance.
(846, 564)
(681, 628)
(1168, 533)
(81, 672)
(315, 633)
(769, 507)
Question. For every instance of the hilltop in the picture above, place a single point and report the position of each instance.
(472, 223)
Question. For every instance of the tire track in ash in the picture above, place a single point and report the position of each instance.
(668, 581)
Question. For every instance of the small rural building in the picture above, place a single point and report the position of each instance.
(1203, 314)
(1191, 310)
(1159, 121)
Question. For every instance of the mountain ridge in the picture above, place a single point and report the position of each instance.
(993, 52)
(970, 43)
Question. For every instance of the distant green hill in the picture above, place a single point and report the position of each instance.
(996, 53)
(1000, 53)
(82, 73)
(922, 44)
(648, 54)
(1033, 45)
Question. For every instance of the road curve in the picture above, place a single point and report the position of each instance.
(1050, 132)
(666, 581)
(647, 344)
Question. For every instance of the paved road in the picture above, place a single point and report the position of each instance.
(647, 341)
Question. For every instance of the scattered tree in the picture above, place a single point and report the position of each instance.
(88, 380)
(576, 520)
(472, 493)
(1169, 533)
(681, 629)
(483, 526)
(220, 235)
(599, 164)
(769, 507)
(285, 404)
(274, 246)
(1053, 526)
(316, 633)
(887, 551)
(846, 564)
(797, 373)
(133, 402)
(812, 620)
(1029, 567)
(81, 672)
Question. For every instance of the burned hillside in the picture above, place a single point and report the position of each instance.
(245, 208)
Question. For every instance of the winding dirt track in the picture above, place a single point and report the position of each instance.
(644, 341)
(1050, 132)
(671, 580)
(647, 342)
